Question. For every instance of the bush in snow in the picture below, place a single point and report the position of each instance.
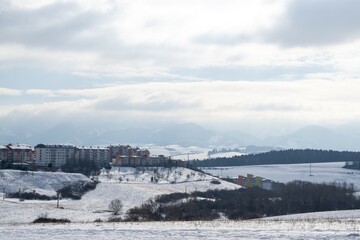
(75, 190)
(149, 211)
(43, 218)
(172, 197)
(29, 196)
(215, 181)
(116, 206)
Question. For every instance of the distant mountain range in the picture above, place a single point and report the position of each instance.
(316, 137)
(186, 134)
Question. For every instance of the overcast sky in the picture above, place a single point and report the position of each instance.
(264, 67)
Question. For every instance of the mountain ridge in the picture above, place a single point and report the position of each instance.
(185, 134)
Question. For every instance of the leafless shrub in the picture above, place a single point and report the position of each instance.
(116, 206)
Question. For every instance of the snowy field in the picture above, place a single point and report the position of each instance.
(178, 152)
(320, 172)
(253, 229)
(187, 153)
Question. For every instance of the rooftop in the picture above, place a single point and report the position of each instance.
(19, 146)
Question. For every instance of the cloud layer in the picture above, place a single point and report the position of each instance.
(212, 103)
(226, 65)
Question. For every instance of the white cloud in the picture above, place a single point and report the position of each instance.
(10, 92)
(44, 92)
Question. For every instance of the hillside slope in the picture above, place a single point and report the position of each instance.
(44, 183)
(132, 192)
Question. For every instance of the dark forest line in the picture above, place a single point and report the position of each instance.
(290, 156)
(291, 198)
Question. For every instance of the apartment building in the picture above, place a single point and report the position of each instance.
(3, 153)
(125, 155)
(100, 155)
(19, 153)
(57, 155)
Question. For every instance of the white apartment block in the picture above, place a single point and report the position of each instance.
(57, 155)
(100, 155)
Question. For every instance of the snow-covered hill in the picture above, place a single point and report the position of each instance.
(159, 175)
(44, 183)
(134, 189)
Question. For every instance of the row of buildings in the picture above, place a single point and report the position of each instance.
(56, 155)
(122, 155)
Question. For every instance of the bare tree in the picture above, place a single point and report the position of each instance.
(116, 206)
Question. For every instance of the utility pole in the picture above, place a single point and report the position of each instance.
(58, 199)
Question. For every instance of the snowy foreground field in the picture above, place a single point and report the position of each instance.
(254, 229)
(135, 187)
